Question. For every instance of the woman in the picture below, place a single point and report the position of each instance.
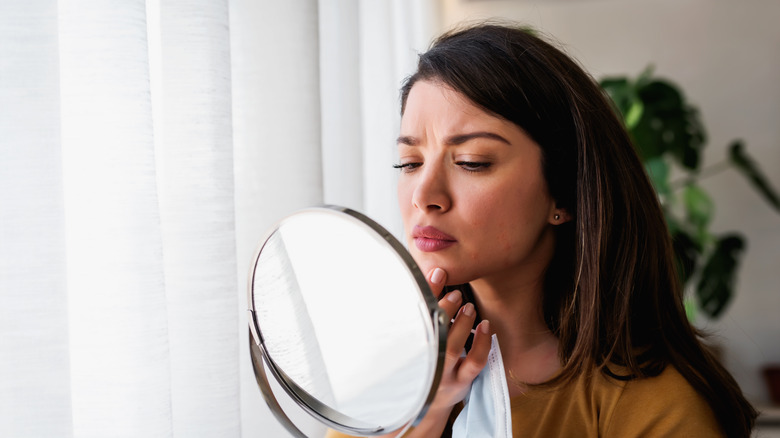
(519, 183)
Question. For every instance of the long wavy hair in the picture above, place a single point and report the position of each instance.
(612, 295)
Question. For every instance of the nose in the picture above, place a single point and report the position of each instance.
(432, 192)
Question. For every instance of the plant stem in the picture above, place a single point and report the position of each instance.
(706, 172)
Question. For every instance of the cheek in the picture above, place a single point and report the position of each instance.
(495, 218)
(404, 195)
(512, 220)
(507, 241)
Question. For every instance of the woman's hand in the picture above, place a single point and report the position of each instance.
(459, 370)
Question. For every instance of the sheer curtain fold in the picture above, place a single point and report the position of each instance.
(342, 133)
(116, 291)
(34, 369)
(196, 186)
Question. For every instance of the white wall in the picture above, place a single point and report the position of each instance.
(726, 57)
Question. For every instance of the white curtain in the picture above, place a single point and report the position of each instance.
(145, 147)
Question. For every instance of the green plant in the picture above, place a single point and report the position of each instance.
(669, 136)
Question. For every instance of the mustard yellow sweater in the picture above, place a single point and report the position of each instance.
(662, 406)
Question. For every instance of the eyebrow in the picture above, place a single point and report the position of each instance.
(455, 140)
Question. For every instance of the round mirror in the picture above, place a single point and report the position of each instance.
(343, 318)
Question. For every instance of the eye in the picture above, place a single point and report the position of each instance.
(474, 166)
(407, 167)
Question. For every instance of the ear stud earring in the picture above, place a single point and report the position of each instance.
(557, 216)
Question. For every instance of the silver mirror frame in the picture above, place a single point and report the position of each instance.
(321, 412)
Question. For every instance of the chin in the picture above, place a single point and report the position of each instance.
(456, 274)
(427, 262)
(423, 261)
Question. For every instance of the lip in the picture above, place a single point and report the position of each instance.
(431, 239)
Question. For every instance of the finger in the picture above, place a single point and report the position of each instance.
(460, 330)
(476, 360)
(451, 303)
(436, 278)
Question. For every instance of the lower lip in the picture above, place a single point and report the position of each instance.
(425, 244)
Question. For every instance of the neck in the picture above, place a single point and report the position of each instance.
(514, 309)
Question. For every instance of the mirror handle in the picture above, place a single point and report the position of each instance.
(265, 387)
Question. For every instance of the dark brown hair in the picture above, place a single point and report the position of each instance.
(612, 295)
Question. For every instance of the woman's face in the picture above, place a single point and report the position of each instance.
(472, 193)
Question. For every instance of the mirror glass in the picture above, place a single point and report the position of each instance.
(345, 320)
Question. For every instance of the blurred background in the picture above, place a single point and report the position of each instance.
(146, 147)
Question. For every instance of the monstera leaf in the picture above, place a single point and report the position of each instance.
(718, 275)
(668, 134)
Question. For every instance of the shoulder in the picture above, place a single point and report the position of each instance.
(664, 405)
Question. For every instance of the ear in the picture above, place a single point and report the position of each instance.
(560, 216)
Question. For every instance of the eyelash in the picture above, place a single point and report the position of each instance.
(406, 167)
(469, 166)
(474, 166)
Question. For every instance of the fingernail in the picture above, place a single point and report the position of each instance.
(468, 309)
(437, 276)
(484, 326)
(453, 296)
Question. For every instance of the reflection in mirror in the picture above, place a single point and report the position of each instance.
(346, 321)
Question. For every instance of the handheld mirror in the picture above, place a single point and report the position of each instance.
(343, 318)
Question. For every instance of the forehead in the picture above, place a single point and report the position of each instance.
(435, 109)
(430, 101)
